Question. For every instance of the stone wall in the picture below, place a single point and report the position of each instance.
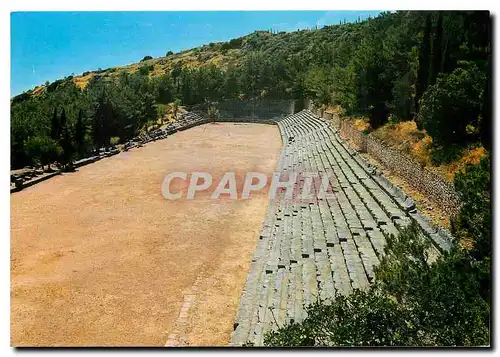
(438, 190)
(255, 109)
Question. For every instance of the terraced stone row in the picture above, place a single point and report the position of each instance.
(324, 245)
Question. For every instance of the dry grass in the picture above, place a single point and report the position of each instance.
(82, 81)
(38, 91)
(406, 137)
(361, 124)
(470, 156)
(335, 109)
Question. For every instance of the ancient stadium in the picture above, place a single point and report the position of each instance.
(100, 257)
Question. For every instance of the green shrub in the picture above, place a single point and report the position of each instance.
(361, 319)
(453, 103)
(213, 112)
(114, 140)
(444, 154)
(474, 220)
(225, 47)
(236, 42)
(43, 149)
(414, 301)
(161, 110)
(144, 70)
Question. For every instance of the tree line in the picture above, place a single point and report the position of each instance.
(431, 67)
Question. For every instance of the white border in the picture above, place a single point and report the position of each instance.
(93, 5)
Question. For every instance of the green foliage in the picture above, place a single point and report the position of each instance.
(424, 60)
(236, 42)
(361, 319)
(114, 140)
(42, 149)
(454, 102)
(21, 97)
(446, 153)
(146, 58)
(415, 301)
(55, 126)
(161, 110)
(213, 112)
(67, 145)
(175, 107)
(437, 51)
(378, 68)
(319, 86)
(442, 298)
(225, 47)
(474, 221)
(144, 70)
(80, 132)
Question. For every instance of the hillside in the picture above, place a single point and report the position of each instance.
(429, 68)
(302, 46)
(220, 54)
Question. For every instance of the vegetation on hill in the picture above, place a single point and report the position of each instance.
(432, 67)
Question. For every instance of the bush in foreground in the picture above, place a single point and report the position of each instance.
(414, 302)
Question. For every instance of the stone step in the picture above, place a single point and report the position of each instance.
(327, 245)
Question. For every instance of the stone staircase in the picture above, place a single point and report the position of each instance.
(321, 247)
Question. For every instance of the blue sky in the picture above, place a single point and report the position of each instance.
(46, 46)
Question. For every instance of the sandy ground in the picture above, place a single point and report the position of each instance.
(99, 257)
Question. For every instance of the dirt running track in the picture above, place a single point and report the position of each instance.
(99, 257)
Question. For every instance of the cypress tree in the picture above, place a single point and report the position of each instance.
(80, 134)
(62, 120)
(97, 122)
(486, 112)
(423, 64)
(66, 145)
(65, 138)
(437, 51)
(55, 126)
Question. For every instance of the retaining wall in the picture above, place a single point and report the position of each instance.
(437, 189)
(260, 108)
